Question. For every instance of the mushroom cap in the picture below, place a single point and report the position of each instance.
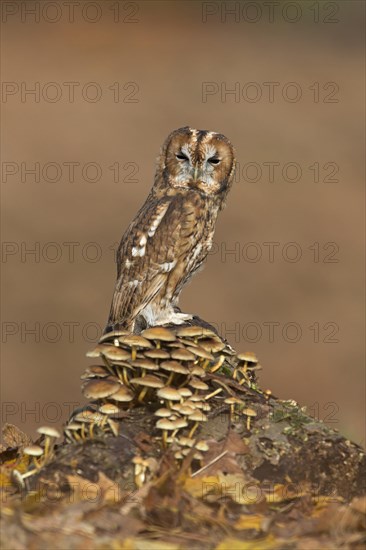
(110, 336)
(109, 408)
(99, 388)
(233, 401)
(252, 367)
(198, 371)
(200, 352)
(182, 354)
(249, 412)
(73, 426)
(146, 364)
(138, 460)
(159, 333)
(213, 345)
(185, 392)
(165, 424)
(248, 356)
(203, 406)
(163, 412)
(201, 446)
(96, 352)
(33, 450)
(193, 331)
(197, 455)
(195, 399)
(180, 423)
(198, 384)
(171, 394)
(174, 345)
(115, 353)
(186, 441)
(198, 416)
(123, 395)
(48, 430)
(156, 353)
(149, 381)
(95, 371)
(174, 366)
(135, 341)
(183, 409)
(88, 415)
(17, 477)
(186, 342)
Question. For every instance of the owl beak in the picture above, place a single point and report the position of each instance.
(195, 174)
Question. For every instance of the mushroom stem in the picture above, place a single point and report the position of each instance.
(72, 435)
(103, 421)
(193, 430)
(91, 430)
(142, 394)
(18, 479)
(218, 364)
(244, 370)
(224, 386)
(170, 379)
(219, 390)
(108, 365)
(47, 445)
(29, 473)
(77, 436)
(119, 374)
(125, 377)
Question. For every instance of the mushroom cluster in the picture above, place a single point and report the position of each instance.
(164, 369)
(39, 455)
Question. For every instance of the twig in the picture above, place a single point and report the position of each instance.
(210, 463)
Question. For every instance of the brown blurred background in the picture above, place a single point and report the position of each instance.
(108, 87)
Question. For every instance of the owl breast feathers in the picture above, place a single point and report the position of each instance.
(171, 235)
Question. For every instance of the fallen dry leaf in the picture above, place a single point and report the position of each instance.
(104, 490)
(15, 437)
(224, 486)
(250, 521)
(235, 544)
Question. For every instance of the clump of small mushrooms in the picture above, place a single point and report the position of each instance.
(181, 375)
(166, 370)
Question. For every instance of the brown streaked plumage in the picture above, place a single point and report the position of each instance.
(172, 233)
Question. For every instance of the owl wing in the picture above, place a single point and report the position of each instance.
(151, 247)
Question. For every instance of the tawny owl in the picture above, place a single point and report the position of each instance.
(171, 235)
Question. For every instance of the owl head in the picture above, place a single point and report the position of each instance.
(196, 159)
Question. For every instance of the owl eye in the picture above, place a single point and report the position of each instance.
(181, 156)
(213, 160)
